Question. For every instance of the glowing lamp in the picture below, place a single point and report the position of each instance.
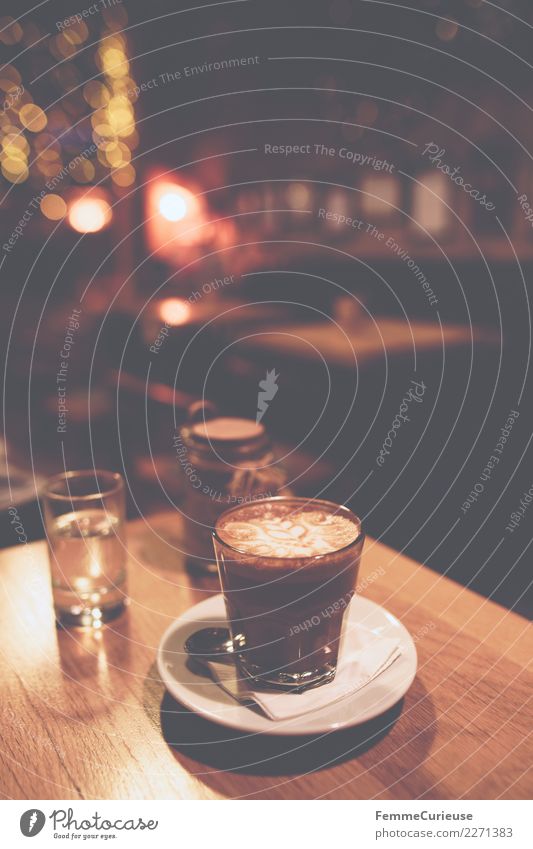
(89, 214)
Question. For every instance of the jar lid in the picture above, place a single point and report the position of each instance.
(227, 429)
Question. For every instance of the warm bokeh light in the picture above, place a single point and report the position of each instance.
(53, 207)
(77, 32)
(64, 46)
(15, 170)
(82, 172)
(175, 216)
(174, 311)
(96, 94)
(50, 168)
(115, 17)
(8, 128)
(10, 31)
(15, 165)
(14, 144)
(89, 214)
(114, 62)
(11, 73)
(114, 154)
(123, 176)
(172, 201)
(113, 118)
(173, 205)
(298, 195)
(57, 120)
(33, 118)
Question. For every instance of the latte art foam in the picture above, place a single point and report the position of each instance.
(305, 533)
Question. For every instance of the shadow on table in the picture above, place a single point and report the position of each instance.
(388, 751)
(225, 749)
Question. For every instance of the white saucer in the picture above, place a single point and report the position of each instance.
(200, 694)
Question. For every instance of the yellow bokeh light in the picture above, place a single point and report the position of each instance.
(113, 42)
(114, 154)
(120, 113)
(107, 151)
(9, 128)
(98, 117)
(124, 176)
(15, 144)
(119, 101)
(115, 63)
(103, 131)
(53, 207)
(121, 121)
(21, 101)
(15, 178)
(124, 86)
(96, 94)
(114, 116)
(127, 130)
(125, 152)
(33, 117)
(83, 172)
(15, 170)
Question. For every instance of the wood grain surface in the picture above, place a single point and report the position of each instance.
(84, 714)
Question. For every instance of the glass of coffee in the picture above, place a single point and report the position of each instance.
(288, 569)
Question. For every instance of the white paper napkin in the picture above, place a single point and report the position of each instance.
(358, 666)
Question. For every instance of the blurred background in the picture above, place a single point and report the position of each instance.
(334, 190)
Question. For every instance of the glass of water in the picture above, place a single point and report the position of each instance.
(84, 519)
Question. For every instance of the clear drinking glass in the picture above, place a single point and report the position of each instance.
(84, 520)
(288, 569)
(225, 461)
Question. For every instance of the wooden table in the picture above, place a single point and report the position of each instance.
(84, 715)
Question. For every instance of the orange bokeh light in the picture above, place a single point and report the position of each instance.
(173, 202)
(174, 311)
(89, 214)
(175, 217)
